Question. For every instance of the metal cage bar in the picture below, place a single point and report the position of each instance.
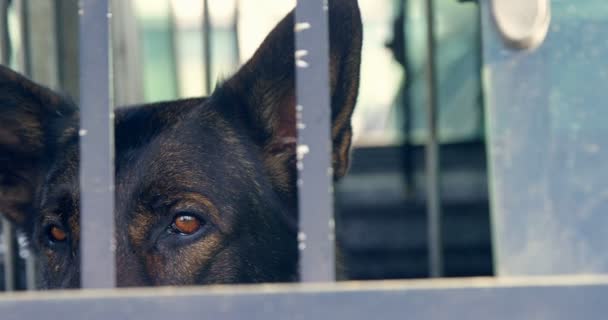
(5, 45)
(433, 190)
(207, 48)
(67, 38)
(313, 110)
(8, 235)
(11, 256)
(235, 32)
(97, 147)
(174, 51)
(23, 58)
(127, 66)
(43, 47)
(541, 299)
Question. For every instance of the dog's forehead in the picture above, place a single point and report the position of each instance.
(197, 154)
(63, 176)
(179, 135)
(143, 134)
(164, 149)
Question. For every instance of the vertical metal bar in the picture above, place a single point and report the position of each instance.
(127, 68)
(174, 50)
(42, 49)
(67, 45)
(31, 272)
(315, 188)
(23, 59)
(24, 62)
(97, 147)
(8, 234)
(235, 30)
(406, 105)
(408, 162)
(10, 256)
(41, 60)
(5, 45)
(432, 152)
(207, 52)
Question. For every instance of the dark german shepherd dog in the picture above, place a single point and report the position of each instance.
(205, 188)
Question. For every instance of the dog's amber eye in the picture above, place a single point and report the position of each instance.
(186, 224)
(56, 234)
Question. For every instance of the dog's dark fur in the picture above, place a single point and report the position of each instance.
(228, 159)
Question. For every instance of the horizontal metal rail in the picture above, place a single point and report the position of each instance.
(537, 298)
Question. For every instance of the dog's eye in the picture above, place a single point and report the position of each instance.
(56, 234)
(186, 224)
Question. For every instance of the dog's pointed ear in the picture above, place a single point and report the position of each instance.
(266, 85)
(33, 120)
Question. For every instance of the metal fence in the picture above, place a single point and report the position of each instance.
(496, 298)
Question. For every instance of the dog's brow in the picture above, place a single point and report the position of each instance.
(56, 193)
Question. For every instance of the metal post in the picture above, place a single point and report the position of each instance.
(67, 38)
(128, 88)
(408, 162)
(26, 66)
(174, 42)
(8, 232)
(432, 153)
(5, 45)
(23, 59)
(235, 30)
(41, 53)
(315, 189)
(97, 147)
(31, 266)
(207, 52)
(10, 256)
(42, 47)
